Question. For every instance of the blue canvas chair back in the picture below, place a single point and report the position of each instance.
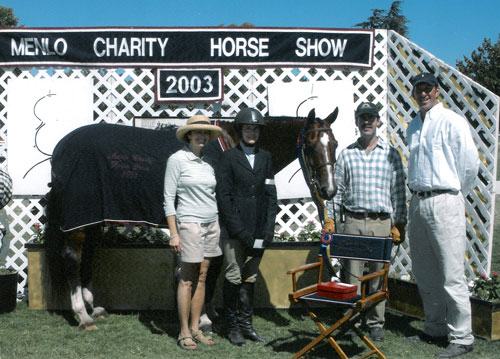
(356, 247)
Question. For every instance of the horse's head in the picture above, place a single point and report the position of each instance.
(318, 148)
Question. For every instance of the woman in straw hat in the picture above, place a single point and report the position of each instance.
(191, 211)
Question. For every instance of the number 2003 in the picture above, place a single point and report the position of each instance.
(184, 84)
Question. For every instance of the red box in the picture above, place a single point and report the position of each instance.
(336, 290)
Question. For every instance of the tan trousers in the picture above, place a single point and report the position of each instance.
(239, 266)
(375, 317)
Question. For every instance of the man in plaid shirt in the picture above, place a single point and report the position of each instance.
(371, 198)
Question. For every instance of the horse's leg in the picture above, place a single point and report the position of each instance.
(72, 255)
(91, 235)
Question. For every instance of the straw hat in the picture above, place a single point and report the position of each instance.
(197, 122)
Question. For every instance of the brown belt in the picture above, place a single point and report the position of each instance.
(370, 215)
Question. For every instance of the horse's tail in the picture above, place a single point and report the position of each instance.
(54, 238)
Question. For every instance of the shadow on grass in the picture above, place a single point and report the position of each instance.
(297, 339)
(303, 331)
(274, 316)
(160, 322)
(67, 315)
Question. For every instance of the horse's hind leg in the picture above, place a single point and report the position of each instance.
(89, 246)
(72, 254)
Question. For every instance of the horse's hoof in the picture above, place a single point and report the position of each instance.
(99, 313)
(88, 327)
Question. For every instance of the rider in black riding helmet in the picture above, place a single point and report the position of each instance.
(247, 201)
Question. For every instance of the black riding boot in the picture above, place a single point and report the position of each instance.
(230, 296)
(246, 313)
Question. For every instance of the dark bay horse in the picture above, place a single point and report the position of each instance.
(111, 173)
(316, 149)
(101, 174)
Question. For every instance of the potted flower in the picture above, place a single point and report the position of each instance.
(487, 288)
(38, 234)
(485, 302)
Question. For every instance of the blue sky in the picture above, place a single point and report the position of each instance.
(449, 29)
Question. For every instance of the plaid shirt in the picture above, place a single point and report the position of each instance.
(5, 188)
(373, 182)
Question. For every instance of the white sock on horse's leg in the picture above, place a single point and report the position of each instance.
(78, 306)
(88, 297)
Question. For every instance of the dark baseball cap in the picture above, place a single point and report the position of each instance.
(424, 77)
(367, 107)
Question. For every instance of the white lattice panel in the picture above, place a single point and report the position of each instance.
(480, 107)
(293, 215)
(22, 213)
(122, 94)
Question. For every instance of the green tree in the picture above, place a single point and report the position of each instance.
(391, 19)
(483, 66)
(7, 18)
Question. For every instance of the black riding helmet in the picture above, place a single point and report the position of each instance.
(249, 116)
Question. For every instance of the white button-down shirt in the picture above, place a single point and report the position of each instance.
(442, 152)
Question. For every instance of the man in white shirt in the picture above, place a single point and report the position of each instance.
(442, 167)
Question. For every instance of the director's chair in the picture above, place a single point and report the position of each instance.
(365, 248)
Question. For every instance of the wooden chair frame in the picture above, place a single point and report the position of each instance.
(357, 306)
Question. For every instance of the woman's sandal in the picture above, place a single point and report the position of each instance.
(198, 336)
(186, 343)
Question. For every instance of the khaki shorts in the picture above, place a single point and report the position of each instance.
(199, 240)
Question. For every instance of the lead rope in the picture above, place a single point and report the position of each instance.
(326, 239)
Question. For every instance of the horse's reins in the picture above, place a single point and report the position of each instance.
(328, 224)
(309, 170)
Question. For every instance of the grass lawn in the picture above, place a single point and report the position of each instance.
(27, 333)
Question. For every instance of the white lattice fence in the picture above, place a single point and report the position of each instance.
(122, 94)
(480, 107)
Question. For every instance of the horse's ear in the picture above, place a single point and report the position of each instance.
(311, 116)
(333, 116)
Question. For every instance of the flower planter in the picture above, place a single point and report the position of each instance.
(485, 318)
(404, 297)
(8, 292)
(142, 277)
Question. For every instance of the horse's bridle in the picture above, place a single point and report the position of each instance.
(308, 169)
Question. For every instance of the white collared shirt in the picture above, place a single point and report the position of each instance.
(442, 152)
(249, 153)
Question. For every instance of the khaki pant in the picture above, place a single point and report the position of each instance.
(375, 317)
(240, 266)
(437, 236)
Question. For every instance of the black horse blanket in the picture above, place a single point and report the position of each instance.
(111, 173)
(115, 173)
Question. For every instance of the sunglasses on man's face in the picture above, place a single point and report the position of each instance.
(427, 88)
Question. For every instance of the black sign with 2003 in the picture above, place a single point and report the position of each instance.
(193, 85)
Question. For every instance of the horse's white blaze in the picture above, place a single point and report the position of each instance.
(331, 182)
(325, 140)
